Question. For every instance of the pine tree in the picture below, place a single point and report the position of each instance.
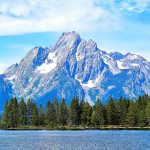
(86, 115)
(98, 114)
(22, 111)
(29, 112)
(13, 113)
(142, 119)
(8, 120)
(41, 115)
(6, 113)
(56, 106)
(35, 115)
(142, 102)
(63, 113)
(94, 119)
(81, 106)
(122, 109)
(74, 118)
(132, 116)
(50, 114)
(112, 114)
(16, 117)
(148, 111)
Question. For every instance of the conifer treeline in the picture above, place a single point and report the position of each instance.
(79, 113)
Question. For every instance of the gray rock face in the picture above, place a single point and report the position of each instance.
(6, 91)
(75, 67)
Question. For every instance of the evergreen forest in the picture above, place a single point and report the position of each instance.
(79, 114)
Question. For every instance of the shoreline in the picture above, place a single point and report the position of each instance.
(77, 128)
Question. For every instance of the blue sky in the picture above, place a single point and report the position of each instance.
(116, 25)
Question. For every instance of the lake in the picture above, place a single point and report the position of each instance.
(75, 140)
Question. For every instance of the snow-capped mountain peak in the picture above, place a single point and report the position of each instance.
(73, 67)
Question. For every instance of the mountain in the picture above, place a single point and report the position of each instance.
(75, 67)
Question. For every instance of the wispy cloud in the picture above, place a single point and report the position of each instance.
(138, 6)
(26, 16)
(50, 15)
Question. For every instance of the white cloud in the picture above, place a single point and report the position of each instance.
(17, 17)
(27, 16)
(137, 6)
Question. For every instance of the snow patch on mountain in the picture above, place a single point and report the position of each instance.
(49, 64)
(135, 65)
(79, 57)
(86, 87)
(131, 56)
(147, 67)
(120, 65)
(129, 92)
(90, 83)
(11, 78)
(111, 87)
(87, 96)
(111, 64)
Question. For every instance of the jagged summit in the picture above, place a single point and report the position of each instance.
(73, 67)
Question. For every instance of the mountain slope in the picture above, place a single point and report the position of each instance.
(75, 67)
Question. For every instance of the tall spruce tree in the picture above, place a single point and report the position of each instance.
(81, 106)
(74, 116)
(132, 115)
(142, 120)
(86, 115)
(35, 115)
(41, 115)
(29, 112)
(6, 112)
(13, 113)
(112, 114)
(22, 112)
(122, 109)
(98, 114)
(50, 114)
(55, 103)
(63, 113)
(148, 111)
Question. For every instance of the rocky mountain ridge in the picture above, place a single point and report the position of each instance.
(75, 67)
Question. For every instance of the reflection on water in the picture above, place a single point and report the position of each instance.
(74, 140)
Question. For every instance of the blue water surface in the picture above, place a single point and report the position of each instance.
(75, 140)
